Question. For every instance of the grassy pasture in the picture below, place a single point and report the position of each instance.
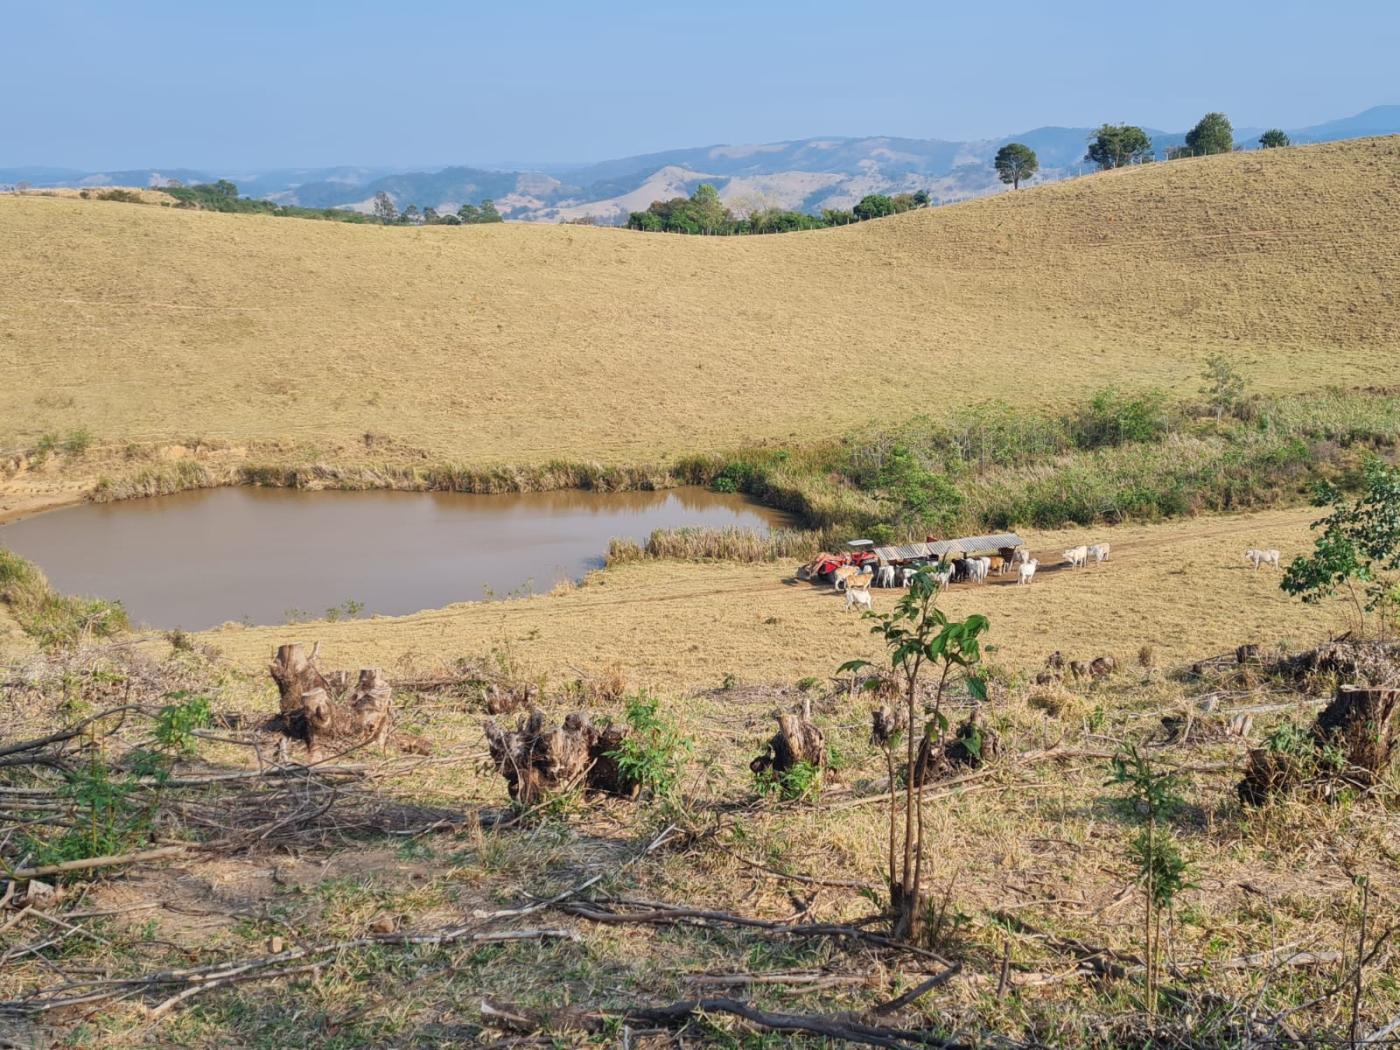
(517, 343)
(1181, 587)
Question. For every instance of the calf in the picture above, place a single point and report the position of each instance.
(846, 573)
(1077, 557)
(858, 595)
(1099, 552)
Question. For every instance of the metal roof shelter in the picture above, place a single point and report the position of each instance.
(942, 548)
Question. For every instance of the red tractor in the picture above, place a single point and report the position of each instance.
(859, 553)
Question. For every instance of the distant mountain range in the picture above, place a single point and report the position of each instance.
(806, 175)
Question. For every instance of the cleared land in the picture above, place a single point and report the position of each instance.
(521, 343)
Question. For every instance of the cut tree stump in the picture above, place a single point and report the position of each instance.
(1363, 722)
(971, 746)
(798, 740)
(327, 714)
(540, 761)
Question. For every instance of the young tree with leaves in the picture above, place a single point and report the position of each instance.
(1358, 551)
(1016, 162)
(1224, 387)
(1274, 138)
(1117, 145)
(1212, 134)
(919, 637)
(1150, 798)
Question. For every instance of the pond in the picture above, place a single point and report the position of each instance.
(263, 556)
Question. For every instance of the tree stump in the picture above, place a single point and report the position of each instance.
(325, 713)
(971, 746)
(295, 673)
(1267, 773)
(540, 761)
(797, 740)
(1363, 723)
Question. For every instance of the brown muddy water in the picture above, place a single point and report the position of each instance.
(267, 556)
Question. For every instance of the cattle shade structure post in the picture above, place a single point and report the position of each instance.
(942, 550)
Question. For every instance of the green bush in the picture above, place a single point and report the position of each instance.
(798, 783)
(77, 441)
(652, 756)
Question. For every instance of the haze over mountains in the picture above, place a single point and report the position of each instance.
(806, 174)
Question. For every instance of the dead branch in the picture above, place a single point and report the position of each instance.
(831, 1026)
(88, 863)
(660, 914)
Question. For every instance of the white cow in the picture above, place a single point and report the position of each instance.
(1077, 557)
(1258, 557)
(886, 576)
(1099, 552)
(942, 579)
(858, 595)
(1021, 557)
(907, 576)
(1025, 572)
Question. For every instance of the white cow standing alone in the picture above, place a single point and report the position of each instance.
(858, 594)
(1025, 572)
(1258, 557)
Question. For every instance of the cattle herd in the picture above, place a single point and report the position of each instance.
(856, 582)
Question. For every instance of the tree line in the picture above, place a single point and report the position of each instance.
(704, 213)
(1118, 145)
(386, 212)
(223, 196)
(1110, 146)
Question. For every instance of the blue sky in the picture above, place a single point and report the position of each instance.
(308, 82)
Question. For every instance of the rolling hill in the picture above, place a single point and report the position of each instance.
(517, 343)
(804, 174)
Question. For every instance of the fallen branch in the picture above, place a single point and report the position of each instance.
(88, 863)
(920, 989)
(832, 1027)
(670, 915)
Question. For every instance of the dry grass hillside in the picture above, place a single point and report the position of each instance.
(521, 343)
